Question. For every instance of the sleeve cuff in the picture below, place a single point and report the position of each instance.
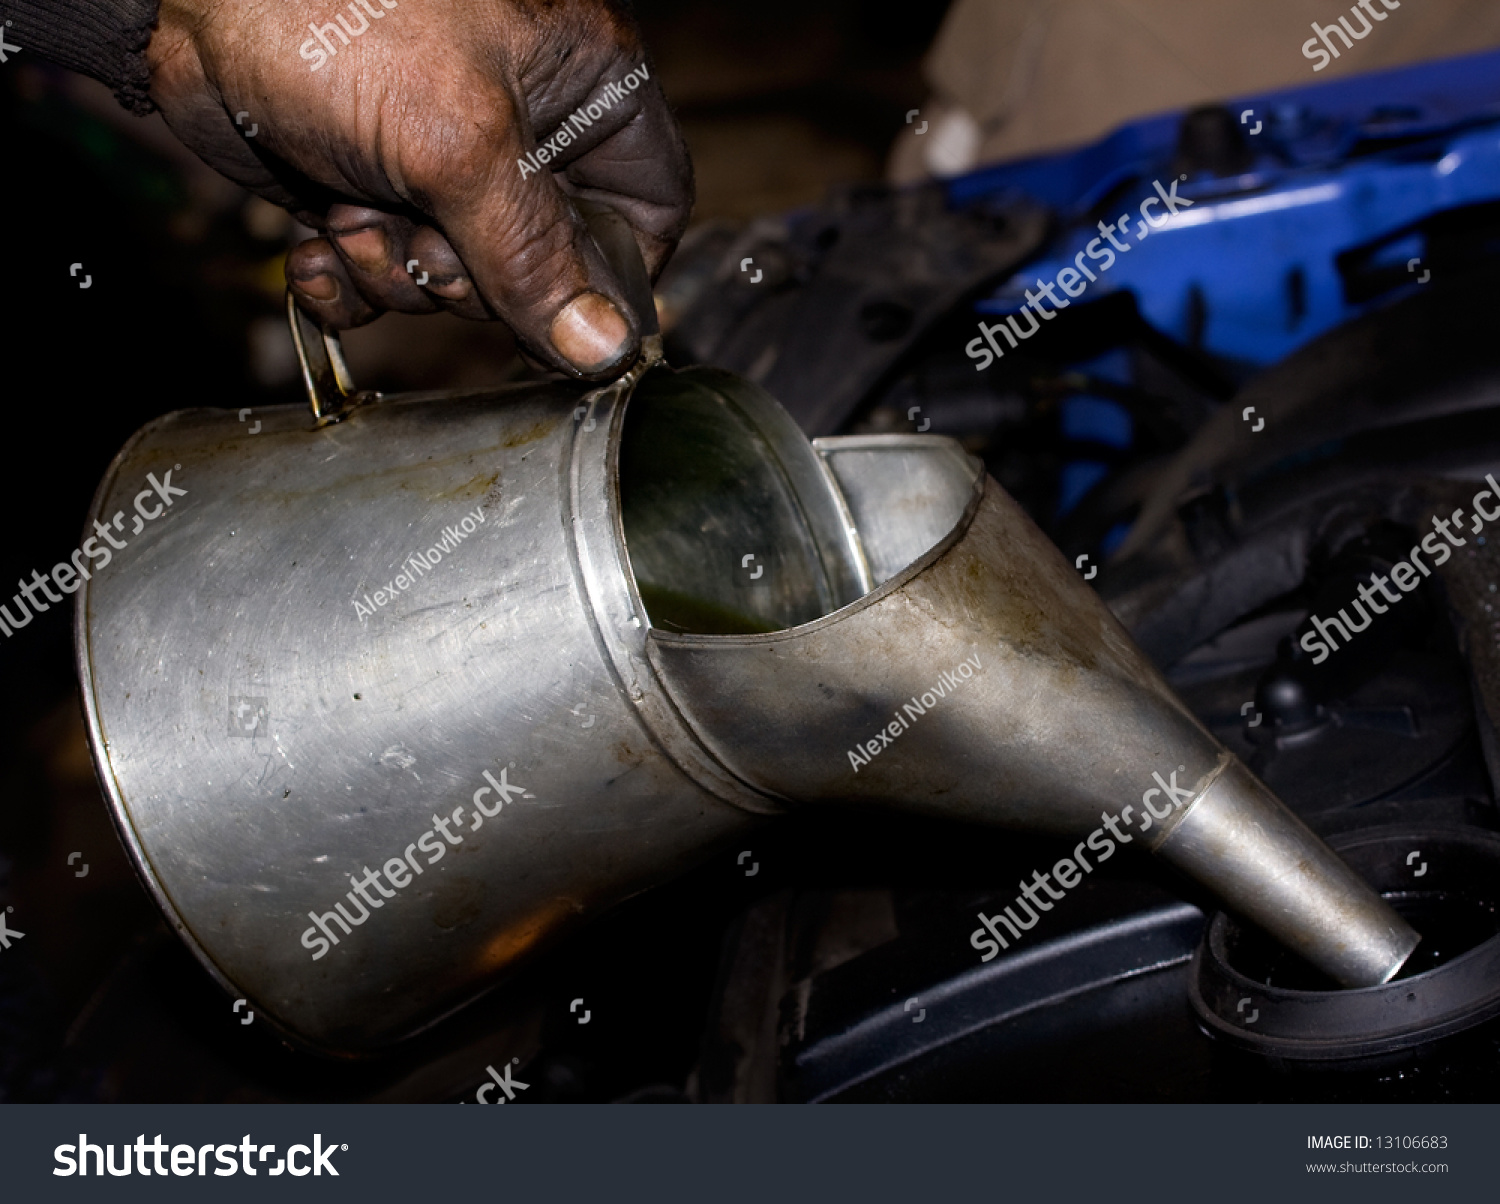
(105, 39)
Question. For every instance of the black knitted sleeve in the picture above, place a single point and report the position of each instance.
(102, 38)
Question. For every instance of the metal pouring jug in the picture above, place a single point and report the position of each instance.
(386, 696)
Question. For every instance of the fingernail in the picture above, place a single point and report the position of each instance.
(319, 288)
(590, 333)
(452, 290)
(368, 248)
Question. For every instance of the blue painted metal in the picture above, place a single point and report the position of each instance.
(1097, 420)
(1252, 263)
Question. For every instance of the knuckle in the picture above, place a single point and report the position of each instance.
(542, 266)
(453, 143)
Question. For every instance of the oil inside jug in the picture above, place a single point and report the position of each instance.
(732, 524)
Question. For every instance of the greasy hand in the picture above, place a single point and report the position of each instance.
(406, 144)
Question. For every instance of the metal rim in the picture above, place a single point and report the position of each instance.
(885, 589)
(614, 603)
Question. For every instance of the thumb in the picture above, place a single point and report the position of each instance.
(532, 259)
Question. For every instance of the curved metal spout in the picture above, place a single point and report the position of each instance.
(985, 682)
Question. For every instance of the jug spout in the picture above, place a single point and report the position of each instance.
(1239, 840)
(986, 682)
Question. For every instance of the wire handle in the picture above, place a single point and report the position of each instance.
(325, 374)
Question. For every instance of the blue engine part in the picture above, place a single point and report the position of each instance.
(1258, 265)
(1324, 203)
